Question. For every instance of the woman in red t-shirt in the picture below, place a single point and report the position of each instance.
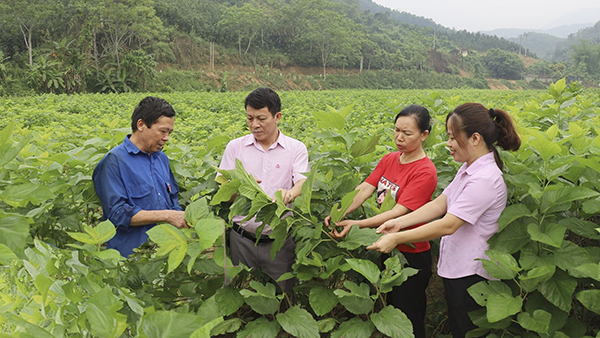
(411, 177)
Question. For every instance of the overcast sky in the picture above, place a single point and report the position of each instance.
(482, 15)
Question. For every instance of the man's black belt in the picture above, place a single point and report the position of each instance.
(250, 235)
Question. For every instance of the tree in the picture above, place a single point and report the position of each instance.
(30, 16)
(504, 65)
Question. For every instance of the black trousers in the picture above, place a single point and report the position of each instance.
(410, 297)
(460, 303)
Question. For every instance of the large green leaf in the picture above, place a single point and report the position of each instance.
(539, 321)
(329, 121)
(102, 315)
(511, 239)
(500, 306)
(392, 322)
(204, 331)
(6, 255)
(512, 213)
(590, 299)
(322, 300)
(8, 150)
(170, 324)
(357, 237)
(550, 233)
(559, 290)
(209, 230)
(354, 328)
(197, 210)
(298, 322)
(544, 147)
(95, 235)
(501, 265)
(19, 195)
(364, 146)
(260, 328)
(14, 231)
(263, 301)
(337, 211)
(566, 194)
(358, 300)
(228, 300)
(483, 290)
(366, 268)
(581, 227)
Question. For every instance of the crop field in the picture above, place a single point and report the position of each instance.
(58, 280)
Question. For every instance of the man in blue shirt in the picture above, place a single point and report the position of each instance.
(134, 181)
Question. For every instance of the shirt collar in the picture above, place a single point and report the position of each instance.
(480, 162)
(281, 140)
(132, 148)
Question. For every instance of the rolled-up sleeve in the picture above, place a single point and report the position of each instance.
(112, 192)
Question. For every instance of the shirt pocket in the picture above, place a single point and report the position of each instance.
(173, 193)
(141, 195)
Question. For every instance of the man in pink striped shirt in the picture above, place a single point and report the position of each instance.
(277, 162)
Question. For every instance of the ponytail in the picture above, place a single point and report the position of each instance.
(494, 125)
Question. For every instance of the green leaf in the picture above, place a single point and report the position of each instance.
(364, 146)
(559, 290)
(167, 237)
(209, 230)
(500, 264)
(14, 231)
(197, 210)
(512, 239)
(6, 255)
(357, 237)
(581, 227)
(392, 322)
(105, 324)
(204, 331)
(32, 329)
(19, 195)
(226, 326)
(337, 212)
(358, 300)
(8, 152)
(566, 194)
(354, 328)
(228, 300)
(535, 276)
(226, 191)
(366, 268)
(538, 322)
(590, 299)
(550, 233)
(481, 291)
(329, 121)
(513, 212)
(545, 148)
(95, 235)
(322, 300)
(500, 306)
(170, 324)
(260, 328)
(298, 322)
(303, 201)
(326, 325)
(590, 270)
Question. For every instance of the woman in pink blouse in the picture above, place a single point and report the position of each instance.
(466, 214)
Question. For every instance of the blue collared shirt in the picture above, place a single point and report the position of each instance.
(128, 180)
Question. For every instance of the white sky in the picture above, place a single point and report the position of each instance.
(482, 15)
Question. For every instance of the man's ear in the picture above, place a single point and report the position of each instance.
(141, 125)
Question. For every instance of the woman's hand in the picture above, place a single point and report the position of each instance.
(384, 244)
(341, 228)
(389, 227)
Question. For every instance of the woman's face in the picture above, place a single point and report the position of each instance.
(407, 135)
(458, 153)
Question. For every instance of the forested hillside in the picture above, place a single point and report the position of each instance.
(68, 46)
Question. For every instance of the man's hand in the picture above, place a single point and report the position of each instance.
(176, 218)
(287, 195)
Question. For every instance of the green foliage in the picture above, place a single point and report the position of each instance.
(504, 65)
(59, 281)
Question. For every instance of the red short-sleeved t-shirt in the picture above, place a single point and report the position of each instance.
(411, 185)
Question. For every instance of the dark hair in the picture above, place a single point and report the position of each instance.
(420, 114)
(150, 109)
(494, 125)
(264, 97)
